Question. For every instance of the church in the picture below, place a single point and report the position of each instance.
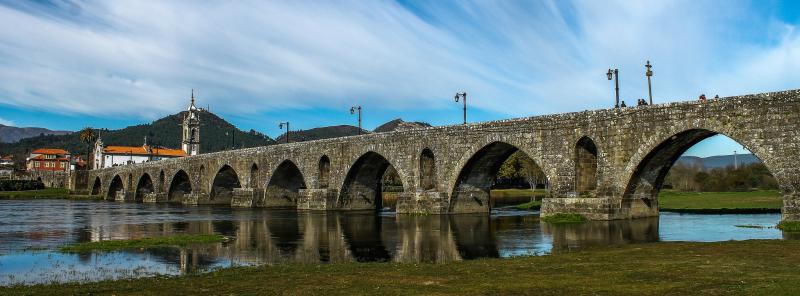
(110, 156)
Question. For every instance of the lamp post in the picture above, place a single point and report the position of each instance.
(649, 73)
(353, 111)
(615, 74)
(462, 95)
(287, 129)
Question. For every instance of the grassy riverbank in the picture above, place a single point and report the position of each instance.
(761, 201)
(759, 267)
(47, 193)
(147, 242)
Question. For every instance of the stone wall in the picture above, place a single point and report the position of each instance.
(633, 149)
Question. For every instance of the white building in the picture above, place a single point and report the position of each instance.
(191, 130)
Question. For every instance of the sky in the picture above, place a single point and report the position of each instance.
(65, 65)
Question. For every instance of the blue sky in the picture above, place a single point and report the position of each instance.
(69, 64)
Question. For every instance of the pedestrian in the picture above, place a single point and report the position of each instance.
(702, 97)
(623, 104)
(716, 97)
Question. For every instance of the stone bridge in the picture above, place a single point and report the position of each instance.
(605, 164)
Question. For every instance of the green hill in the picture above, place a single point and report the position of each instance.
(321, 133)
(216, 134)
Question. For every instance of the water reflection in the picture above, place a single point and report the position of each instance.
(261, 236)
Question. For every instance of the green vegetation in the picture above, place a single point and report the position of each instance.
(761, 201)
(751, 226)
(47, 193)
(561, 218)
(519, 171)
(789, 226)
(160, 241)
(530, 206)
(756, 267)
(744, 178)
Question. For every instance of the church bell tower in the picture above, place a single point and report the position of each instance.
(191, 130)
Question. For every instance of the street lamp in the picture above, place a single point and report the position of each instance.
(615, 74)
(649, 73)
(353, 111)
(287, 129)
(462, 95)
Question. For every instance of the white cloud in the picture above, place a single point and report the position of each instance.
(6, 122)
(140, 58)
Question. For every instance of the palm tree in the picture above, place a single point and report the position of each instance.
(87, 136)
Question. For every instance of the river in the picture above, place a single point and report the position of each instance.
(32, 230)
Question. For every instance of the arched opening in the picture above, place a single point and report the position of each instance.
(253, 176)
(224, 182)
(284, 185)
(716, 166)
(179, 186)
(97, 186)
(427, 170)
(161, 180)
(585, 166)
(498, 173)
(324, 171)
(144, 187)
(115, 188)
(364, 184)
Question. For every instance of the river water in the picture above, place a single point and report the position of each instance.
(31, 232)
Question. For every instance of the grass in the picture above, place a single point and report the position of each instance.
(47, 193)
(761, 201)
(561, 218)
(757, 267)
(161, 241)
(530, 206)
(789, 226)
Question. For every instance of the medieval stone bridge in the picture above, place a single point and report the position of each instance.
(605, 164)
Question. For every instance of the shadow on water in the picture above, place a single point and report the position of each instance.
(260, 236)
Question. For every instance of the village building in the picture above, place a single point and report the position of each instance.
(49, 159)
(7, 161)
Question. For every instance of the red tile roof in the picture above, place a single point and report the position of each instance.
(50, 151)
(143, 150)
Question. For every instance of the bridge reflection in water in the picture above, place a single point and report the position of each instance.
(274, 237)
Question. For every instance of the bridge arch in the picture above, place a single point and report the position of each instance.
(223, 184)
(179, 186)
(115, 187)
(143, 187)
(254, 176)
(284, 185)
(648, 169)
(97, 187)
(586, 156)
(471, 190)
(427, 170)
(323, 172)
(361, 189)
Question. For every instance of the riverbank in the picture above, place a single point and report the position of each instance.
(47, 193)
(750, 202)
(765, 267)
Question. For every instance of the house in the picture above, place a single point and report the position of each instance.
(109, 156)
(49, 159)
(7, 161)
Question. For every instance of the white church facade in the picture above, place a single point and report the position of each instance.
(110, 156)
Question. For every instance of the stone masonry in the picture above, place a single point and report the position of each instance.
(623, 154)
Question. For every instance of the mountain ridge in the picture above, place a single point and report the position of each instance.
(12, 134)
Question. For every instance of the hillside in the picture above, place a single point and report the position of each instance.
(12, 134)
(165, 132)
(719, 161)
(400, 125)
(321, 133)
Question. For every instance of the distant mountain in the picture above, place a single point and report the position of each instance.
(12, 134)
(321, 133)
(719, 161)
(400, 125)
(216, 134)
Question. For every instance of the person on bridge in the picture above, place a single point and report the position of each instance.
(702, 97)
(623, 104)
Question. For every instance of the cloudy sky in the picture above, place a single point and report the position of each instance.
(70, 64)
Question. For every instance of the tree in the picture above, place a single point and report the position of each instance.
(88, 137)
